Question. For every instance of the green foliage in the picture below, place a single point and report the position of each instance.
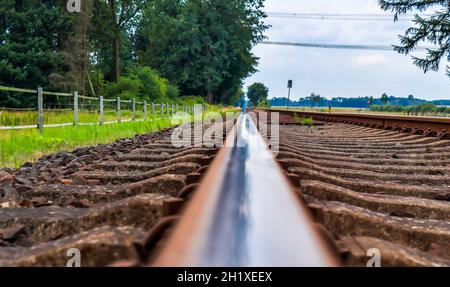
(434, 28)
(192, 100)
(143, 83)
(258, 93)
(423, 109)
(303, 121)
(127, 89)
(202, 46)
(152, 85)
(172, 91)
(28, 48)
(384, 98)
(18, 147)
(314, 98)
(306, 121)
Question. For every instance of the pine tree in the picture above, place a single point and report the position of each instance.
(434, 28)
(28, 46)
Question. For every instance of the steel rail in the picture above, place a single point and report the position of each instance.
(245, 213)
(427, 126)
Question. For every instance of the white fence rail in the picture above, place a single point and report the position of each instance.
(166, 110)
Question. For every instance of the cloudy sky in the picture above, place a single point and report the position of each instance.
(340, 73)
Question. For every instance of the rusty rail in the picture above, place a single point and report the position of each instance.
(245, 213)
(427, 126)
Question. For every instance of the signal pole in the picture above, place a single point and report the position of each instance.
(289, 93)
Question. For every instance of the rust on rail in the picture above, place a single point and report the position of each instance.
(245, 213)
(427, 126)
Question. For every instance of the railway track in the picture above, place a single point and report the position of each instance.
(335, 192)
(373, 187)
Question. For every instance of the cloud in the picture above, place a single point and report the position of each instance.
(346, 73)
(369, 60)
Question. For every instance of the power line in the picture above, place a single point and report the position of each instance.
(340, 17)
(337, 46)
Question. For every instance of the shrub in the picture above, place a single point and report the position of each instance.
(152, 85)
(172, 91)
(126, 88)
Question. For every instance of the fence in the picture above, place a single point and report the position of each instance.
(156, 111)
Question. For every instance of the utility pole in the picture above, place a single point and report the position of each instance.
(289, 93)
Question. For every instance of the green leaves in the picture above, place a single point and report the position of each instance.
(434, 29)
(257, 93)
(202, 46)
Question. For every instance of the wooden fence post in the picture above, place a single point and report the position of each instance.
(101, 109)
(119, 112)
(40, 99)
(162, 111)
(134, 109)
(153, 109)
(75, 108)
(145, 110)
(168, 115)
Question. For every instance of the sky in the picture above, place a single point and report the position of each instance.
(340, 73)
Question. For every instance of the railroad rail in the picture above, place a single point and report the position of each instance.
(229, 223)
(427, 126)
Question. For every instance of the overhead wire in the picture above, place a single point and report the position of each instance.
(341, 17)
(338, 46)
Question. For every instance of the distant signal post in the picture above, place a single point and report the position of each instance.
(289, 85)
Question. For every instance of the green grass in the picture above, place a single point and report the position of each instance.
(12, 118)
(303, 121)
(18, 147)
(306, 121)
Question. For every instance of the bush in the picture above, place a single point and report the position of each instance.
(127, 89)
(144, 84)
(153, 87)
(172, 91)
(192, 100)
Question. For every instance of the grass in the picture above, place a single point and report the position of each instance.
(303, 121)
(21, 146)
(307, 121)
(13, 118)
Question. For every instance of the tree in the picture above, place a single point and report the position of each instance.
(384, 99)
(74, 50)
(28, 46)
(315, 98)
(257, 93)
(433, 28)
(370, 101)
(121, 14)
(202, 46)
